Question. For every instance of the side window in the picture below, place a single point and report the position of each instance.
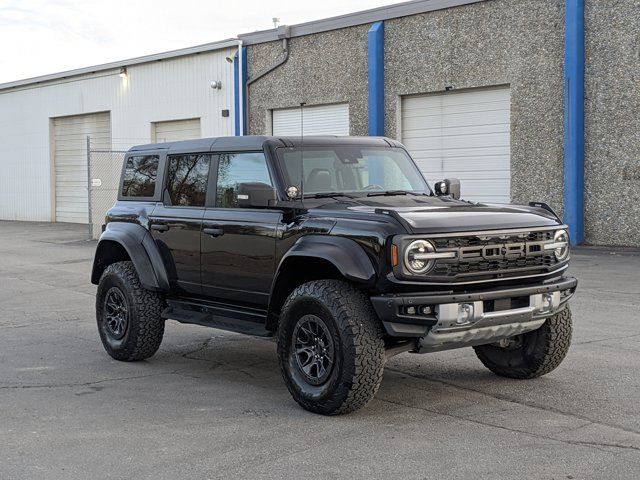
(187, 177)
(236, 168)
(140, 176)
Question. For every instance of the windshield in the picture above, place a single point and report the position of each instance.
(350, 170)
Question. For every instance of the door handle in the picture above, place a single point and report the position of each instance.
(214, 232)
(159, 227)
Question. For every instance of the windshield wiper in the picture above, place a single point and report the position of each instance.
(327, 195)
(393, 192)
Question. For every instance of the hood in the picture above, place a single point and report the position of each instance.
(443, 214)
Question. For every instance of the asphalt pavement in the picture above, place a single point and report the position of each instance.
(212, 404)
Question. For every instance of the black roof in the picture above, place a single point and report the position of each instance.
(258, 142)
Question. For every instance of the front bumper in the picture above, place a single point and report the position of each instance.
(451, 320)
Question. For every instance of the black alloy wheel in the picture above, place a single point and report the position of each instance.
(313, 349)
(116, 313)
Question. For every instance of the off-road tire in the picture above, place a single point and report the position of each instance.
(357, 337)
(144, 327)
(540, 351)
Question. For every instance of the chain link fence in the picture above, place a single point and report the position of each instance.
(104, 178)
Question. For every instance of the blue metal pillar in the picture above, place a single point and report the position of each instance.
(574, 121)
(376, 95)
(240, 104)
(376, 79)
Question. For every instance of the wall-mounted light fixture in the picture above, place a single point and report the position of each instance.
(216, 84)
(229, 59)
(123, 72)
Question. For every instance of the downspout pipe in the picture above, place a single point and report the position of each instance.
(280, 61)
(284, 33)
(574, 120)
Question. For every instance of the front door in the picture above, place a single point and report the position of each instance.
(238, 244)
(176, 222)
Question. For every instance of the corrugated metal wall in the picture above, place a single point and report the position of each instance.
(171, 89)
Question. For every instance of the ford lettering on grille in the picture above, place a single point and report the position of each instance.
(501, 251)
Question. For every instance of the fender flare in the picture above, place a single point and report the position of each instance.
(142, 250)
(343, 253)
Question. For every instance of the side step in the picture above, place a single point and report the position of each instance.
(224, 317)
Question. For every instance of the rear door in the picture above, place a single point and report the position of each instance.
(176, 222)
(238, 244)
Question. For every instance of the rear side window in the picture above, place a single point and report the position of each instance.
(187, 177)
(140, 176)
(237, 168)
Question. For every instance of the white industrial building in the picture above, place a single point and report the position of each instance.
(499, 94)
(45, 122)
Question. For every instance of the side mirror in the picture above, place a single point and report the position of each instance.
(448, 186)
(256, 194)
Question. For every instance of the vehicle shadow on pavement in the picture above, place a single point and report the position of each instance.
(250, 364)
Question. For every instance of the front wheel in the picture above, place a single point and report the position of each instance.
(531, 354)
(330, 347)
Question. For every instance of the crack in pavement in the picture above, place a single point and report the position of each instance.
(50, 286)
(83, 384)
(606, 339)
(596, 445)
(517, 402)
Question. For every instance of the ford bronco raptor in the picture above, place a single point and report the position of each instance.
(340, 249)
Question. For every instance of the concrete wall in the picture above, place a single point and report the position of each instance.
(613, 122)
(168, 90)
(498, 42)
(519, 43)
(329, 67)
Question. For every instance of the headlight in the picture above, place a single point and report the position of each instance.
(560, 245)
(418, 256)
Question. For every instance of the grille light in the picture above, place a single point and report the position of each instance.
(560, 245)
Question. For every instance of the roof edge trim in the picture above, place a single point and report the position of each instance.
(130, 62)
(373, 15)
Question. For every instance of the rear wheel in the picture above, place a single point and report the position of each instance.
(129, 316)
(531, 354)
(330, 347)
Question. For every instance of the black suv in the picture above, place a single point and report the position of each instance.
(337, 246)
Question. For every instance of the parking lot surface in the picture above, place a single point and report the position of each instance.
(212, 404)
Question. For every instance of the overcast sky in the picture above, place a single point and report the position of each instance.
(47, 36)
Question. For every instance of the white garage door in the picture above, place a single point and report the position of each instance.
(175, 130)
(70, 160)
(318, 120)
(465, 135)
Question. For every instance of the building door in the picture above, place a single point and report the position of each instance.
(318, 120)
(70, 162)
(465, 135)
(174, 130)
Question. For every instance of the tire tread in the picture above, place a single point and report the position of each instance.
(145, 318)
(362, 337)
(552, 345)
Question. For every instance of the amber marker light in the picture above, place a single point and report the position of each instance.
(394, 255)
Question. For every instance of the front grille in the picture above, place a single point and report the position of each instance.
(469, 266)
(500, 255)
